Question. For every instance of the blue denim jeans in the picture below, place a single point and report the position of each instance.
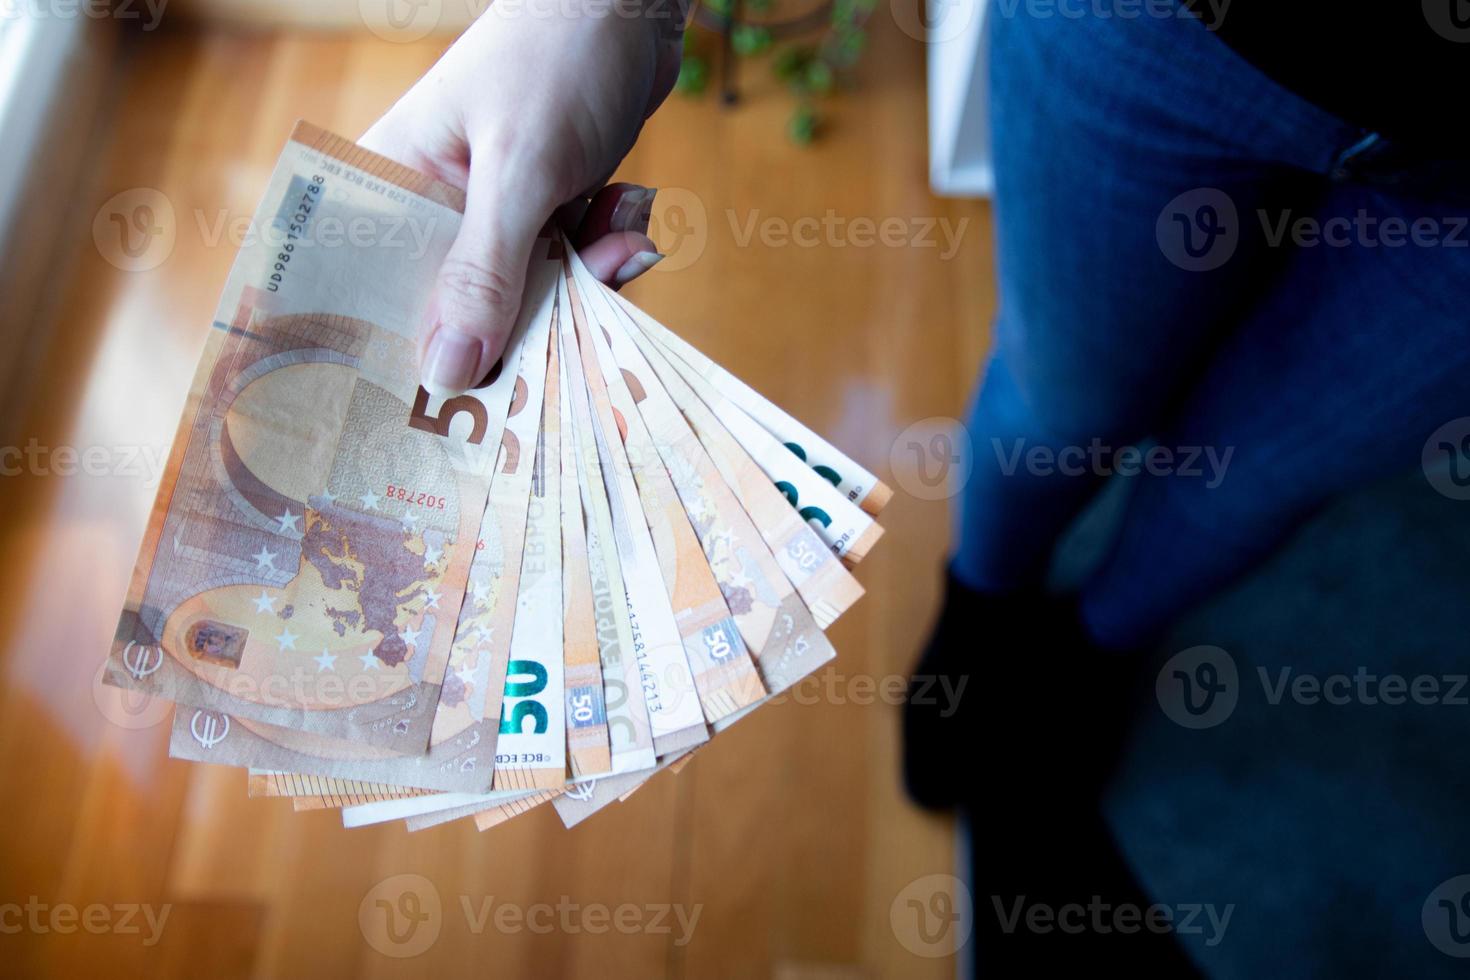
(1191, 254)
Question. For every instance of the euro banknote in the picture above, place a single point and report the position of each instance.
(548, 589)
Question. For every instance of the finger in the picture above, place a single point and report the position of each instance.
(619, 258)
(618, 207)
(478, 292)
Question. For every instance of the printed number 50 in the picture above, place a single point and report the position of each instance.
(467, 404)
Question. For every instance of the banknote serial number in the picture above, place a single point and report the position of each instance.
(295, 229)
(416, 499)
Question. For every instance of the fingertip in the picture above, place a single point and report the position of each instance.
(452, 361)
(617, 208)
(618, 259)
(637, 264)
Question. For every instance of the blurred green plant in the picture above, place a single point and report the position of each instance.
(810, 71)
(694, 69)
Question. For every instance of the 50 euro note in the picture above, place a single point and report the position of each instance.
(465, 726)
(486, 815)
(601, 621)
(851, 480)
(725, 675)
(629, 729)
(666, 681)
(531, 750)
(320, 791)
(847, 530)
(825, 585)
(319, 506)
(494, 817)
(588, 750)
(381, 811)
(526, 757)
(771, 617)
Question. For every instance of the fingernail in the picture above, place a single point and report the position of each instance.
(633, 211)
(636, 266)
(451, 361)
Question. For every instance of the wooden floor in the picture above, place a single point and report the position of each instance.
(790, 832)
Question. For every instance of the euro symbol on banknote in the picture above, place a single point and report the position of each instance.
(209, 728)
(140, 660)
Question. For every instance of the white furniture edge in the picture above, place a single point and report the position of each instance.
(959, 143)
(34, 54)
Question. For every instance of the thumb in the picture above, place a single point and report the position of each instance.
(478, 292)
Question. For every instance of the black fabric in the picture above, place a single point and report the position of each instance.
(1025, 750)
(1396, 67)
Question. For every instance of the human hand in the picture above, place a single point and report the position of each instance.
(530, 112)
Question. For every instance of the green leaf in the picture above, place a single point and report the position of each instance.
(721, 7)
(803, 125)
(790, 63)
(693, 76)
(819, 76)
(747, 39)
(758, 6)
(850, 45)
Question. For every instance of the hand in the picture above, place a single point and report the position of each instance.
(530, 112)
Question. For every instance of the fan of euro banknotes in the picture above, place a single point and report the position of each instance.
(547, 589)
